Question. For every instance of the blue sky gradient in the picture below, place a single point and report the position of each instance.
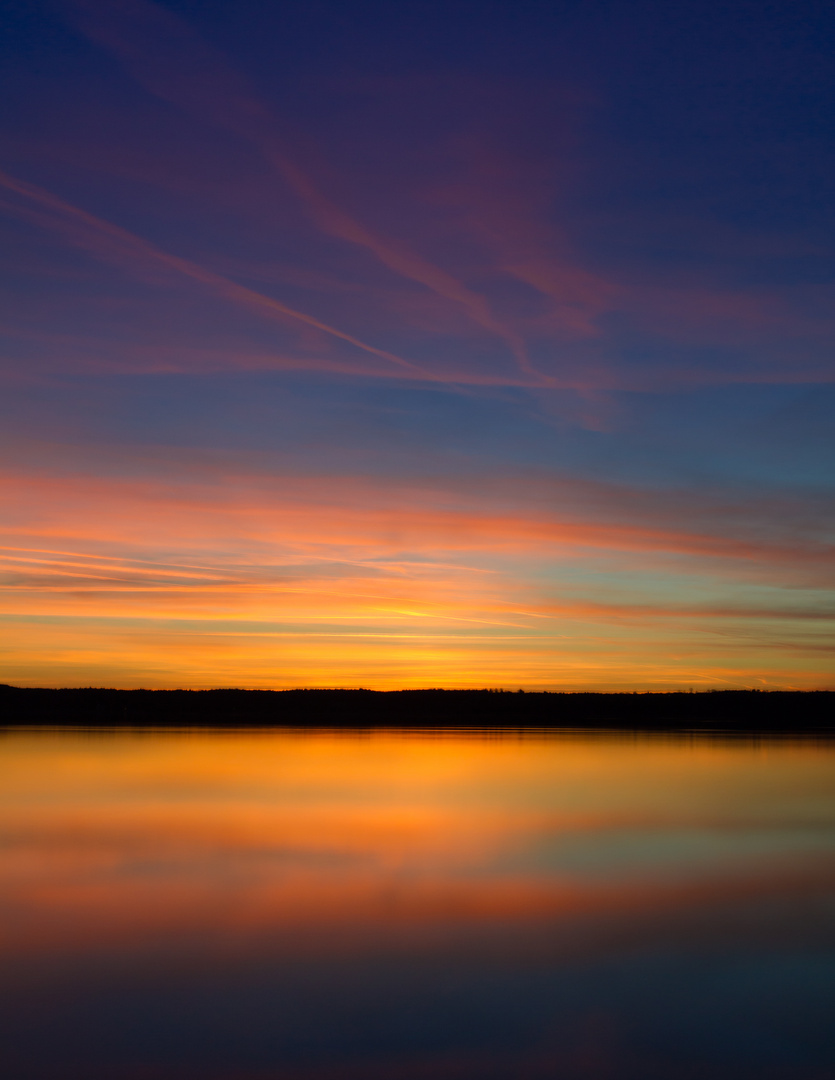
(415, 345)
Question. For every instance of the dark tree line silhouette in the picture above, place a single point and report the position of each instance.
(786, 712)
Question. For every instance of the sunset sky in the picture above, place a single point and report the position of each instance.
(417, 343)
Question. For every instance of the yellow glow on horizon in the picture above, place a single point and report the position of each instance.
(277, 582)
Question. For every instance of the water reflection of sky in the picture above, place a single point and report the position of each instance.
(279, 906)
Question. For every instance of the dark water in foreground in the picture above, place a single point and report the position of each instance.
(284, 906)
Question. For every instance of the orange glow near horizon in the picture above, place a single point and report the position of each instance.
(347, 583)
(432, 396)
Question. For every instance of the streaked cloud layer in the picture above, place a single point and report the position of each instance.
(370, 357)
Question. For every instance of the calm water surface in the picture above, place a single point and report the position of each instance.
(285, 906)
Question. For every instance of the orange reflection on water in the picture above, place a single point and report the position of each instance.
(327, 840)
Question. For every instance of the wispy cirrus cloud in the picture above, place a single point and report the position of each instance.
(169, 59)
(350, 551)
(396, 354)
(114, 244)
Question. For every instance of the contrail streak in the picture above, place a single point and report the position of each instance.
(168, 58)
(113, 243)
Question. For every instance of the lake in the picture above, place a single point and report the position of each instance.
(285, 905)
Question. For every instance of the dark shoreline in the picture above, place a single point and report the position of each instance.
(780, 712)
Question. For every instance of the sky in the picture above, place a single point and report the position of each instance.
(418, 344)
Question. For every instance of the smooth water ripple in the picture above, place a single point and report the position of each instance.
(278, 905)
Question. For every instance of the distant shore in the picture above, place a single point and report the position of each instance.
(786, 712)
